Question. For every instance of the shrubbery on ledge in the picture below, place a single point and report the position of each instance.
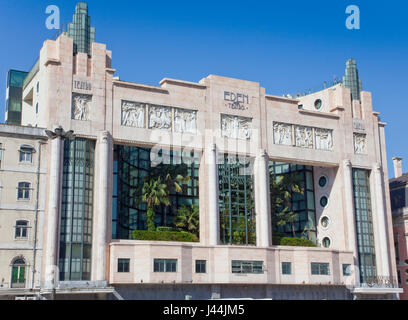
(296, 242)
(178, 236)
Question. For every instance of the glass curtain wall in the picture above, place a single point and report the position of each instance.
(77, 208)
(14, 99)
(236, 201)
(132, 168)
(364, 225)
(303, 205)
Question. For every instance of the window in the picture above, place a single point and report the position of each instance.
(324, 201)
(201, 266)
(165, 265)
(18, 273)
(21, 230)
(36, 108)
(26, 154)
(322, 182)
(320, 269)
(123, 265)
(399, 277)
(38, 87)
(325, 222)
(318, 104)
(245, 267)
(286, 268)
(326, 242)
(346, 270)
(1, 153)
(23, 191)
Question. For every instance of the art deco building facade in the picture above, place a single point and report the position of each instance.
(232, 140)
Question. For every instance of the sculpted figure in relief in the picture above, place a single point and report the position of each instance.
(236, 128)
(304, 137)
(80, 107)
(160, 118)
(185, 121)
(133, 114)
(282, 134)
(360, 143)
(324, 139)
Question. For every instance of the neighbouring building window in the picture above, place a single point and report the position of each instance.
(1, 153)
(123, 265)
(236, 200)
(18, 273)
(21, 230)
(201, 266)
(346, 270)
(364, 225)
(77, 210)
(322, 269)
(399, 277)
(26, 154)
(286, 268)
(246, 267)
(23, 191)
(165, 265)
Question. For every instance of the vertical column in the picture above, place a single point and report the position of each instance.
(381, 220)
(101, 225)
(263, 219)
(351, 223)
(53, 214)
(213, 186)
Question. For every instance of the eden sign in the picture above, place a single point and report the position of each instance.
(236, 100)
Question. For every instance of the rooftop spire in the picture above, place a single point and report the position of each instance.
(351, 80)
(81, 31)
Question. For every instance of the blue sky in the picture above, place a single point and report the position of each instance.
(287, 46)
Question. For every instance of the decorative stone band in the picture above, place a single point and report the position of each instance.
(159, 117)
(303, 136)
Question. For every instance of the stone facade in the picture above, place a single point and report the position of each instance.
(217, 115)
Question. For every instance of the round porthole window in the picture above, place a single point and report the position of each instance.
(325, 222)
(326, 243)
(324, 201)
(318, 104)
(323, 182)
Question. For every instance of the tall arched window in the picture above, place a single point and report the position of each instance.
(18, 273)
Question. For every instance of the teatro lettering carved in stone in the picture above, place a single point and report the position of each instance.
(282, 134)
(185, 121)
(324, 139)
(81, 104)
(160, 118)
(235, 127)
(304, 137)
(133, 114)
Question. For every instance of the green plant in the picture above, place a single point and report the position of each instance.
(188, 219)
(282, 190)
(164, 236)
(296, 242)
(154, 193)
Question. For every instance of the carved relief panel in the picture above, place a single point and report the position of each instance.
(133, 114)
(81, 105)
(360, 143)
(282, 134)
(235, 127)
(324, 139)
(185, 121)
(304, 137)
(160, 118)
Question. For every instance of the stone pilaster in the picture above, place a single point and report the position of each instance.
(53, 213)
(263, 218)
(101, 214)
(350, 215)
(213, 187)
(378, 192)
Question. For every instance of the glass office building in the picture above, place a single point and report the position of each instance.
(14, 98)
